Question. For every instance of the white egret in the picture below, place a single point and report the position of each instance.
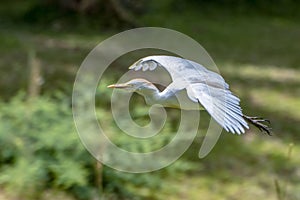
(202, 87)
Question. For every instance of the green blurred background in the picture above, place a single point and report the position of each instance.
(255, 44)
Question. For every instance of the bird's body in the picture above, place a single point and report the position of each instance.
(166, 98)
(193, 88)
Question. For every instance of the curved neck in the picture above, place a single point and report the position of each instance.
(150, 93)
(153, 96)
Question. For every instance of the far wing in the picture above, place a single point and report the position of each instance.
(182, 71)
(221, 104)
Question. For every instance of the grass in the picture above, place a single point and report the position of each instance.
(259, 58)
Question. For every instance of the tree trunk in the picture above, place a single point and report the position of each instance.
(35, 78)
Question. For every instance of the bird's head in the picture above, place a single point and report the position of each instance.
(134, 85)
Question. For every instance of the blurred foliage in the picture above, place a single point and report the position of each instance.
(61, 14)
(40, 150)
(288, 8)
(123, 14)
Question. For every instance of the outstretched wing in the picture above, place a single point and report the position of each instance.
(203, 86)
(221, 104)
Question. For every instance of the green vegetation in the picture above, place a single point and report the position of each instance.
(256, 47)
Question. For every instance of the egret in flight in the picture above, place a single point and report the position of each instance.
(203, 88)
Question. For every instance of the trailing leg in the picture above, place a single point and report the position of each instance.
(258, 122)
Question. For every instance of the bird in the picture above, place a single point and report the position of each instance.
(200, 89)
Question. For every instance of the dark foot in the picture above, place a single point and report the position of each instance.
(258, 122)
